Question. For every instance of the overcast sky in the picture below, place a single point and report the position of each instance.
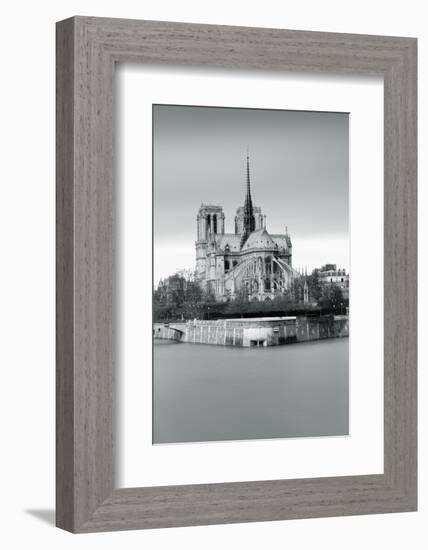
(299, 178)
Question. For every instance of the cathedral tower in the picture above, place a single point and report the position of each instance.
(210, 221)
(209, 224)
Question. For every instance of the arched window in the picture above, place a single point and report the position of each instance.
(215, 223)
(226, 265)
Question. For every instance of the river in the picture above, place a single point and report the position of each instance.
(216, 393)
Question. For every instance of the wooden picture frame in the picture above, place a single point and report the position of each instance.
(87, 50)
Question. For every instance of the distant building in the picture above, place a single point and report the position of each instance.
(329, 275)
(251, 260)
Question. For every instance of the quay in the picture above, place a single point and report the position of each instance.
(254, 332)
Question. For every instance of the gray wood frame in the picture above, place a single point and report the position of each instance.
(87, 50)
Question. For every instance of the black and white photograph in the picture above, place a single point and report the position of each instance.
(251, 274)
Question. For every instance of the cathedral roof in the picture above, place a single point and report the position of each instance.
(283, 241)
(230, 239)
(259, 239)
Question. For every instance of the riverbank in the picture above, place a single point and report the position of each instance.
(254, 332)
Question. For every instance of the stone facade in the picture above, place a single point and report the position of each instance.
(250, 261)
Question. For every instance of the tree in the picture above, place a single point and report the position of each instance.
(332, 298)
(314, 286)
(209, 294)
(187, 274)
(284, 301)
(241, 297)
(169, 297)
(181, 297)
(194, 300)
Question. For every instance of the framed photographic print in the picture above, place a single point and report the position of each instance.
(236, 274)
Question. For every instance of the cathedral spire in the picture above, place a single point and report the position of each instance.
(249, 219)
(248, 195)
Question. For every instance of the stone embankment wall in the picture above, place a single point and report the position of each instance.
(241, 332)
(319, 328)
(255, 332)
(164, 332)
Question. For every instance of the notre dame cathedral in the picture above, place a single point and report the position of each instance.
(250, 261)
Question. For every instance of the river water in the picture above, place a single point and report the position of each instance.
(216, 393)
